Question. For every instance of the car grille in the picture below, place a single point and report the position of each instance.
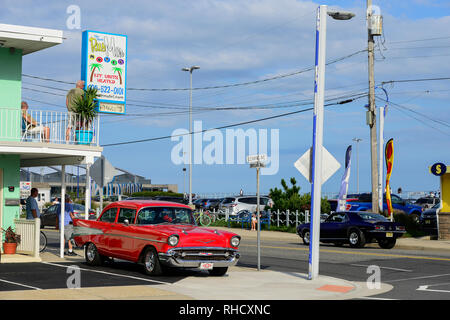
(204, 255)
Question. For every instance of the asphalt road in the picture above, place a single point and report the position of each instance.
(413, 274)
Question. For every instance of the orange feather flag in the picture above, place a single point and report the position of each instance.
(389, 156)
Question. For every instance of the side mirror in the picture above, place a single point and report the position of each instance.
(126, 222)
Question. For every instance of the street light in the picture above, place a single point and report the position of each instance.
(357, 140)
(191, 69)
(319, 88)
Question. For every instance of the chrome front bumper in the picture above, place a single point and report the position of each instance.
(192, 257)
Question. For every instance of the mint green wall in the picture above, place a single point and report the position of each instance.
(10, 127)
(10, 93)
(10, 164)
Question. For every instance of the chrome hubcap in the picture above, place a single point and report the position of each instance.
(306, 237)
(150, 261)
(353, 238)
(90, 252)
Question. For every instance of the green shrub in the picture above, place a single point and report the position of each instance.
(411, 227)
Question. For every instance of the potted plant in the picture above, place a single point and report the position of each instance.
(86, 111)
(12, 239)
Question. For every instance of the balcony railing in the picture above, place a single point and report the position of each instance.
(47, 127)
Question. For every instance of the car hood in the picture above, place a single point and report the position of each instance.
(197, 236)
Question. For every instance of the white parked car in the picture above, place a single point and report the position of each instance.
(237, 204)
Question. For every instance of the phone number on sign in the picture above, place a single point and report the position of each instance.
(107, 89)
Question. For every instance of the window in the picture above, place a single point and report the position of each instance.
(126, 214)
(249, 200)
(228, 200)
(338, 217)
(109, 215)
(396, 199)
(156, 215)
(368, 216)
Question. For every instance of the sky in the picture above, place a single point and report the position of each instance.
(240, 41)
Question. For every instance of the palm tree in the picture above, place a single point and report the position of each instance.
(94, 66)
(119, 71)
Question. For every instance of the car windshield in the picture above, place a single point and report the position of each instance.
(167, 215)
(78, 207)
(367, 216)
(436, 206)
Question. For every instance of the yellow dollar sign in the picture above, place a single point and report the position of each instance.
(438, 169)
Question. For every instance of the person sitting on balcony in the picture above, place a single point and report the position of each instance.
(31, 126)
(71, 97)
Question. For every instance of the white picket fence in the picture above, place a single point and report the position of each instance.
(29, 231)
(277, 218)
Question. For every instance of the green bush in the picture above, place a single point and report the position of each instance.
(289, 198)
(411, 227)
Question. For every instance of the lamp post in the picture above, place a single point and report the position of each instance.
(316, 177)
(191, 69)
(357, 140)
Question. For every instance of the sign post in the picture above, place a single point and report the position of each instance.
(257, 161)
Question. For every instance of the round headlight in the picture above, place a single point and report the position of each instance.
(235, 241)
(173, 240)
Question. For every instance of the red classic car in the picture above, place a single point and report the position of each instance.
(157, 234)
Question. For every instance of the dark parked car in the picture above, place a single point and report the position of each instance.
(428, 220)
(213, 204)
(427, 202)
(50, 215)
(356, 229)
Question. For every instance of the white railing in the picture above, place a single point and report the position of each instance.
(47, 127)
(29, 231)
(277, 218)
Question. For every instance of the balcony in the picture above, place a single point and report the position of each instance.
(48, 127)
(52, 137)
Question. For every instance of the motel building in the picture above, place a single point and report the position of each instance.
(25, 146)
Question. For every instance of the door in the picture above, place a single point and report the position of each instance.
(334, 227)
(105, 223)
(121, 241)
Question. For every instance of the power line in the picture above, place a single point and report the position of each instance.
(415, 80)
(227, 126)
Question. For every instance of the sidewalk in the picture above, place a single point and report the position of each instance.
(239, 284)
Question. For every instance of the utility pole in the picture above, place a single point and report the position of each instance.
(371, 115)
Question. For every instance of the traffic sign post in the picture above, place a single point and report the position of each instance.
(257, 161)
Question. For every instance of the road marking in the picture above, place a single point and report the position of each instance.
(417, 278)
(357, 252)
(388, 268)
(425, 288)
(109, 273)
(19, 284)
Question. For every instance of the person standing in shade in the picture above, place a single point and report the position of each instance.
(72, 96)
(68, 224)
(32, 205)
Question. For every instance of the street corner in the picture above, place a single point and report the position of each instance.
(355, 290)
